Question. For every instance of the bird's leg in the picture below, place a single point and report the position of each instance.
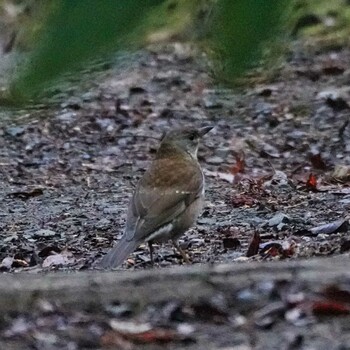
(151, 252)
(183, 254)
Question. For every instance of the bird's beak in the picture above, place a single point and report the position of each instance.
(204, 130)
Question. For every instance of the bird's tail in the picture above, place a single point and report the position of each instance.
(116, 256)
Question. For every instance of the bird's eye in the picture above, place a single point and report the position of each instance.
(192, 137)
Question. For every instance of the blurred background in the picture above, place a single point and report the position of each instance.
(42, 40)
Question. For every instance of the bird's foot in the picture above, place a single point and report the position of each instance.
(182, 252)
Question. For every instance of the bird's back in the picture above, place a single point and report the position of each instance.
(162, 195)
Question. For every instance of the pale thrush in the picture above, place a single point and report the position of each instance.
(168, 198)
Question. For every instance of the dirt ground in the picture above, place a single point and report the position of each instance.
(277, 169)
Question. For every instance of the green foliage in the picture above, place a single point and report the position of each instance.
(330, 25)
(82, 29)
(75, 31)
(239, 28)
(176, 20)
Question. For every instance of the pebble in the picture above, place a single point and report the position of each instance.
(278, 219)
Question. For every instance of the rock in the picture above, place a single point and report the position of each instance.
(103, 224)
(211, 103)
(44, 233)
(73, 103)
(57, 259)
(215, 160)
(113, 209)
(341, 172)
(335, 98)
(6, 264)
(223, 152)
(241, 259)
(106, 124)
(281, 226)
(278, 219)
(206, 221)
(67, 117)
(15, 131)
(279, 180)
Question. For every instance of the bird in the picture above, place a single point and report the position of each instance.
(168, 198)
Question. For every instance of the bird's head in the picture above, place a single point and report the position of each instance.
(186, 140)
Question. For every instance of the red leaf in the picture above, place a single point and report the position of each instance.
(273, 251)
(154, 336)
(283, 249)
(311, 182)
(239, 167)
(329, 308)
(253, 248)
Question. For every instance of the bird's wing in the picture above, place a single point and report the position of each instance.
(162, 194)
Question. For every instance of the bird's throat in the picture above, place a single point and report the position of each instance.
(168, 150)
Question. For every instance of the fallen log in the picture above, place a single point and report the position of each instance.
(21, 292)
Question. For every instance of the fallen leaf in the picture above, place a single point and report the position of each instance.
(317, 161)
(341, 173)
(253, 247)
(272, 249)
(243, 200)
(19, 263)
(284, 249)
(239, 167)
(329, 308)
(311, 183)
(341, 225)
(156, 335)
(143, 332)
(27, 194)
